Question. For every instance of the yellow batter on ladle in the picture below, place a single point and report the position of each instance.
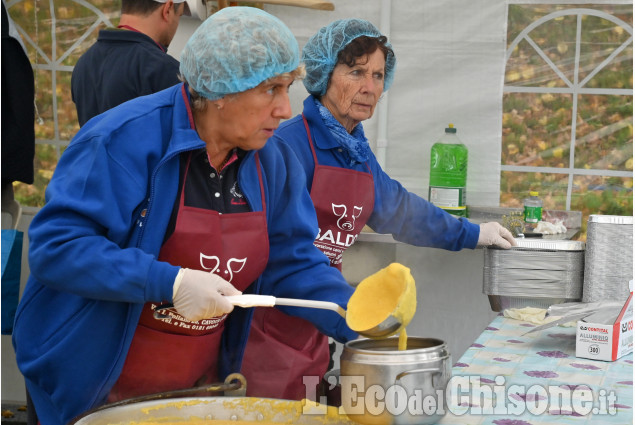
(390, 291)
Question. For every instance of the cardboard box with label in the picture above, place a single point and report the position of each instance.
(603, 336)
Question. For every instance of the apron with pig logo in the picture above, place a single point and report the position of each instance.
(174, 353)
(343, 200)
(288, 348)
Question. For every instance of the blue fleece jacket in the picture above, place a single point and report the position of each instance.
(408, 217)
(94, 247)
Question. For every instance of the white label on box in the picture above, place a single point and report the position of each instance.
(594, 341)
(600, 341)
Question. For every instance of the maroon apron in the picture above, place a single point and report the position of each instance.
(174, 353)
(294, 347)
(343, 200)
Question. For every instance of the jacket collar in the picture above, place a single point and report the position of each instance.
(184, 136)
(321, 135)
(128, 36)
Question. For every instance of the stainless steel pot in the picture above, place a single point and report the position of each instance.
(382, 385)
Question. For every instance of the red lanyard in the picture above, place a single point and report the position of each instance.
(128, 27)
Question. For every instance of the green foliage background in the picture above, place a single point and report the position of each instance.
(537, 127)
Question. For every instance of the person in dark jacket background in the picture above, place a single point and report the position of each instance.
(128, 61)
(18, 113)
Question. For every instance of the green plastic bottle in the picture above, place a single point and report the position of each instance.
(532, 208)
(448, 173)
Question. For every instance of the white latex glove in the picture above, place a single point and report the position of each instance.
(199, 295)
(493, 233)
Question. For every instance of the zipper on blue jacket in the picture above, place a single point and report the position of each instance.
(145, 212)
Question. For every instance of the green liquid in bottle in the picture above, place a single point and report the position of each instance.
(448, 174)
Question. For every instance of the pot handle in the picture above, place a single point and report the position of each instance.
(432, 370)
(234, 385)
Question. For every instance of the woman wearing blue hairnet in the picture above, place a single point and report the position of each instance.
(349, 64)
(165, 204)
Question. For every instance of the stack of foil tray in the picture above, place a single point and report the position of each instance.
(536, 273)
(608, 264)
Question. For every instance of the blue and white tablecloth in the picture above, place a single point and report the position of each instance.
(508, 377)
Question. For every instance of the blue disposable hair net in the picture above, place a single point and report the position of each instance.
(320, 52)
(235, 49)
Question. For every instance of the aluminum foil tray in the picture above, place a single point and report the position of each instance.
(609, 258)
(611, 219)
(536, 273)
(544, 245)
(501, 302)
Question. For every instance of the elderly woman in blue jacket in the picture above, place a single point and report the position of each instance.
(349, 64)
(172, 199)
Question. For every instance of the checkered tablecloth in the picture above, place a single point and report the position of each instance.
(508, 377)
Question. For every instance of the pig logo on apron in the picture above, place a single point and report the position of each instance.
(234, 265)
(346, 222)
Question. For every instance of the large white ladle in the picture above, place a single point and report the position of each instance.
(251, 300)
(394, 284)
(385, 328)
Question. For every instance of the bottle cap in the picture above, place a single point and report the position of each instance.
(450, 128)
(533, 193)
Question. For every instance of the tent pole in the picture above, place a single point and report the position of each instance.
(382, 107)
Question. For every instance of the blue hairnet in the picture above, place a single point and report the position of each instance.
(235, 49)
(320, 52)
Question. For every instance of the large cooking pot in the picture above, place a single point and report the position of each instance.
(252, 409)
(188, 406)
(382, 385)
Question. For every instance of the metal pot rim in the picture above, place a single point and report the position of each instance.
(376, 346)
(251, 409)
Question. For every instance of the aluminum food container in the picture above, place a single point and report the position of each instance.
(536, 273)
(609, 258)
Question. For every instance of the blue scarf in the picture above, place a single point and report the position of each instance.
(355, 144)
